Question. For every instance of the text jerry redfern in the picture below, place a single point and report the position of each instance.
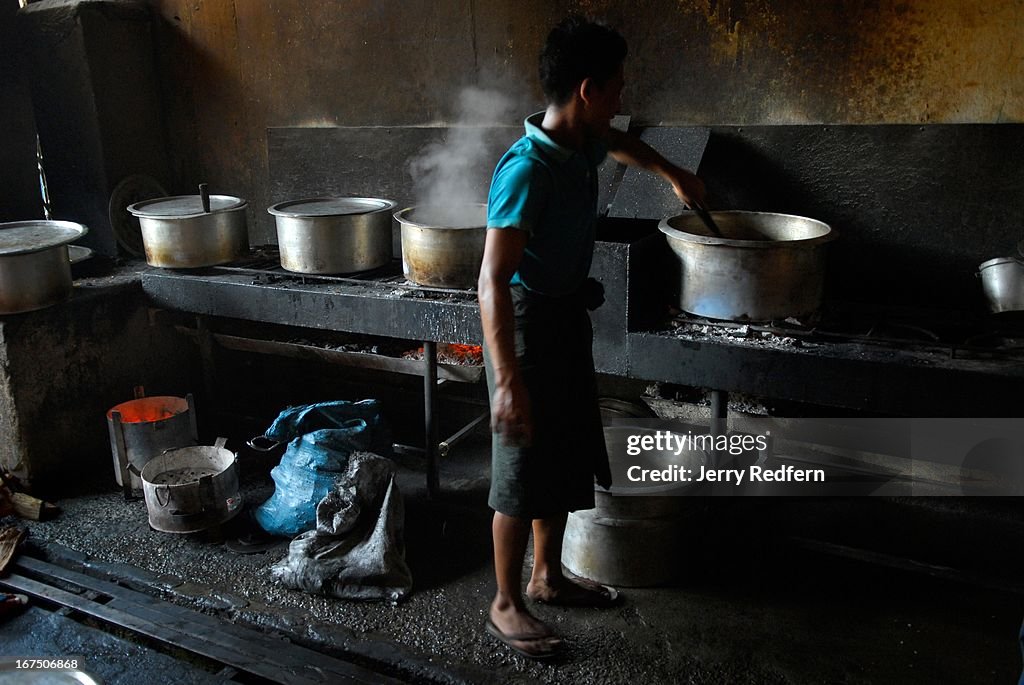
(680, 474)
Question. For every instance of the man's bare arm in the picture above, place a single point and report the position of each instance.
(630, 150)
(510, 407)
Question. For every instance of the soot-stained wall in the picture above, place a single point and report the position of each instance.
(231, 69)
(20, 196)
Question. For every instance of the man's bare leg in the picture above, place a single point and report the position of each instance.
(508, 611)
(547, 554)
(547, 582)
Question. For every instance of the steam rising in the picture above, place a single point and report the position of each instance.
(450, 177)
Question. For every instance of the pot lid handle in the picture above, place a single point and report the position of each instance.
(204, 197)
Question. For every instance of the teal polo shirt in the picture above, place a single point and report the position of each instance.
(549, 191)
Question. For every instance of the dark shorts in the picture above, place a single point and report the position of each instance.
(556, 473)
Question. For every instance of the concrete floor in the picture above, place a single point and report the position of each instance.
(749, 606)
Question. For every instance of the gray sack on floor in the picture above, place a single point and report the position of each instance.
(357, 550)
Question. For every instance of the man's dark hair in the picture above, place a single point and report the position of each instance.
(577, 49)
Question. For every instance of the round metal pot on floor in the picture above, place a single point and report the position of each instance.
(190, 489)
(631, 537)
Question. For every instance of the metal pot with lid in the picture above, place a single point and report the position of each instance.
(35, 270)
(333, 235)
(191, 231)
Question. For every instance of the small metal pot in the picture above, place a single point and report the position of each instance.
(1002, 280)
(763, 267)
(190, 489)
(334, 235)
(35, 271)
(443, 247)
(191, 231)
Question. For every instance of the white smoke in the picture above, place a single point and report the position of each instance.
(451, 176)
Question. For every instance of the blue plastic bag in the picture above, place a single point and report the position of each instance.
(320, 439)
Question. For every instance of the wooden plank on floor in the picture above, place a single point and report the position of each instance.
(229, 635)
(283, 663)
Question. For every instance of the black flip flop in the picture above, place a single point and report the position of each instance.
(507, 640)
(590, 595)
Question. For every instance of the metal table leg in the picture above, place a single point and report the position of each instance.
(430, 415)
(719, 421)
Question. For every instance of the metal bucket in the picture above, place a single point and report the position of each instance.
(630, 537)
(145, 427)
(190, 489)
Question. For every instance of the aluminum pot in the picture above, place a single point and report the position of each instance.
(632, 535)
(764, 266)
(191, 231)
(443, 247)
(190, 489)
(35, 270)
(1002, 281)
(334, 235)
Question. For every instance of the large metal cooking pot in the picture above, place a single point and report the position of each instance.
(183, 232)
(35, 270)
(334, 235)
(1002, 280)
(764, 266)
(443, 247)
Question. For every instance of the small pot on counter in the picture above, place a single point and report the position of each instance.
(35, 270)
(1002, 280)
(443, 247)
(192, 231)
(333, 235)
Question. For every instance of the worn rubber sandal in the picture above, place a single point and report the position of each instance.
(587, 594)
(549, 651)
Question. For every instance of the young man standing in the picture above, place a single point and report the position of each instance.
(534, 295)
